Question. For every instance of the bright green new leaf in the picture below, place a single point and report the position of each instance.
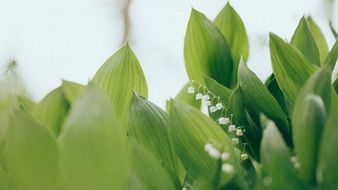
(303, 40)
(149, 125)
(319, 37)
(26, 102)
(149, 173)
(334, 32)
(261, 100)
(276, 161)
(308, 121)
(52, 110)
(190, 130)
(2, 179)
(93, 146)
(118, 77)
(31, 156)
(219, 90)
(332, 57)
(290, 67)
(232, 27)
(184, 96)
(328, 148)
(206, 53)
(72, 91)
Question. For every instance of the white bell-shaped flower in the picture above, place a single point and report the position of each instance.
(219, 106)
(239, 132)
(208, 147)
(232, 128)
(207, 103)
(206, 97)
(227, 168)
(234, 140)
(199, 96)
(223, 120)
(212, 109)
(225, 155)
(214, 153)
(244, 156)
(191, 90)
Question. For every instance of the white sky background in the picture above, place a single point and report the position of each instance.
(70, 39)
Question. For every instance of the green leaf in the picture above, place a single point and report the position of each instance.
(328, 148)
(26, 102)
(190, 130)
(334, 32)
(232, 27)
(261, 100)
(72, 90)
(2, 179)
(184, 96)
(276, 160)
(319, 37)
(52, 110)
(31, 155)
(149, 174)
(149, 125)
(118, 77)
(335, 85)
(331, 58)
(206, 53)
(303, 40)
(219, 90)
(290, 67)
(273, 87)
(93, 146)
(308, 121)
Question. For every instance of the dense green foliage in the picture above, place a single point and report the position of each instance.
(277, 134)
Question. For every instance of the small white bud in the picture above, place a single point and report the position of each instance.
(219, 106)
(239, 132)
(232, 128)
(227, 168)
(294, 159)
(214, 153)
(208, 147)
(207, 103)
(184, 188)
(223, 120)
(206, 97)
(199, 96)
(244, 156)
(191, 90)
(225, 156)
(212, 109)
(234, 140)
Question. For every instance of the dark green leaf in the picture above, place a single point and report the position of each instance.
(303, 40)
(206, 53)
(272, 85)
(232, 27)
(290, 67)
(93, 145)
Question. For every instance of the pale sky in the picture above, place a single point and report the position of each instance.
(70, 39)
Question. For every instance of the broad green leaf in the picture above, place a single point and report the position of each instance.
(335, 85)
(72, 91)
(328, 149)
(303, 40)
(149, 173)
(219, 90)
(261, 100)
(290, 67)
(52, 110)
(276, 160)
(149, 125)
(184, 96)
(331, 58)
(92, 144)
(26, 102)
(118, 77)
(272, 85)
(232, 27)
(190, 130)
(206, 53)
(2, 179)
(319, 37)
(334, 32)
(31, 156)
(308, 121)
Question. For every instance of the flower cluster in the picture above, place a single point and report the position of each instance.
(224, 156)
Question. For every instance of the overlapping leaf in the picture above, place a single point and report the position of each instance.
(72, 91)
(188, 98)
(332, 57)
(290, 67)
(119, 76)
(93, 146)
(319, 37)
(206, 53)
(232, 27)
